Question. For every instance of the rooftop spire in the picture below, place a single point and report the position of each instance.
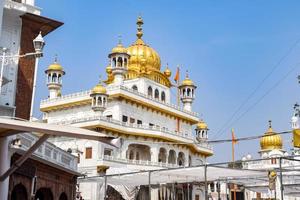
(270, 123)
(120, 39)
(139, 23)
(55, 58)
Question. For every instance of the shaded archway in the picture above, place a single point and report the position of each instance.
(181, 159)
(172, 157)
(139, 152)
(19, 193)
(44, 194)
(162, 156)
(63, 196)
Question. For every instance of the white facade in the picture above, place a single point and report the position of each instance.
(154, 133)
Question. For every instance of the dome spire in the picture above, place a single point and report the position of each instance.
(139, 24)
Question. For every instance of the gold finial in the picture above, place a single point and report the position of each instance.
(139, 23)
(100, 79)
(270, 123)
(120, 39)
(55, 58)
(186, 74)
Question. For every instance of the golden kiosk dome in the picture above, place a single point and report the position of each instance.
(55, 66)
(99, 89)
(168, 72)
(119, 48)
(187, 82)
(202, 125)
(270, 140)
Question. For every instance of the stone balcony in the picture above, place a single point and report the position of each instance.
(84, 96)
(48, 152)
(138, 128)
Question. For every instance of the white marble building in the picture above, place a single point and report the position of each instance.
(134, 105)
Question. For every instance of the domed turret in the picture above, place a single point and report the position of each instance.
(201, 130)
(187, 93)
(270, 140)
(168, 72)
(99, 97)
(54, 79)
(119, 63)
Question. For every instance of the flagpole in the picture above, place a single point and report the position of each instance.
(233, 160)
(178, 95)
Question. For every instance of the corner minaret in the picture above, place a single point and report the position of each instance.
(119, 63)
(201, 131)
(54, 79)
(99, 97)
(187, 93)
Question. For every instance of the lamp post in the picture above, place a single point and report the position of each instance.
(38, 44)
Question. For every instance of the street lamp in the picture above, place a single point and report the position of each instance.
(38, 44)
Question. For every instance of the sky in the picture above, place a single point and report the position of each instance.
(232, 50)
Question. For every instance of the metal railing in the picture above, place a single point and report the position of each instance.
(111, 88)
(137, 126)
(47, 151)
(138, 162)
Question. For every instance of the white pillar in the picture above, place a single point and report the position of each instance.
(4, 166)
(187, 106)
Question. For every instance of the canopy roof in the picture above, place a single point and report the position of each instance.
(12, 126)
(178, 175)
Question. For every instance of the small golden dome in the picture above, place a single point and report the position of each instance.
(119, 49)
(55, 66)
(108, 69)
(270, 140)
(202, 125)
(99, 89)
(187, 81)
(168, 72)
(141, 54)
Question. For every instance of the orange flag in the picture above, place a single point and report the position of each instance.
(234, 140)
(176, 78)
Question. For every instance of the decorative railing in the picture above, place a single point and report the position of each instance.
(111, 88)
(47, 151)
(138, 162)
(137, 126)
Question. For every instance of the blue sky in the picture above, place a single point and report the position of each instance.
(228, 47)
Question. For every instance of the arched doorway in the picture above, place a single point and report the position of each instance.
(19, 193)
(44, 194)
(63, 196)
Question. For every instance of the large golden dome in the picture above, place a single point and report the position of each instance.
(270, 140)
(144, 61)
(142, 56)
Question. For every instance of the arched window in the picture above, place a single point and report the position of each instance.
(59, 78)
(183, 92)
(114, 63)
(125, 62)
(163, 96)
(135, 88)
(54, 78)
(137, 156)
(150, 91)
(131, 155)
(49, 78)
(156, 94)
(120, 62)
(188, 92)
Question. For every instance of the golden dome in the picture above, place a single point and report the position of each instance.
(142, 56)
(55, 66)
(108, 69)
(202, 125)
(99, 89)
(168, 72)
(187, 81)
(270, 140)
(119, 48)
